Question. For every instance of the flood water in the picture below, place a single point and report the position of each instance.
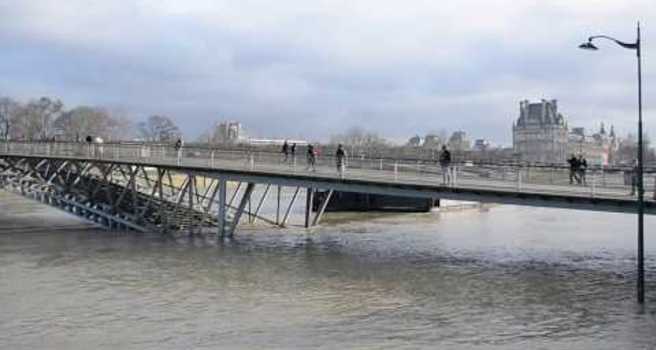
(506, 278)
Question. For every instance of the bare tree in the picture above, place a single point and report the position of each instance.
(9, 110)
(82, 121)
(360, 141)
(159, 129)
(35, 120)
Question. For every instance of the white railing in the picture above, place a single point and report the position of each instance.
(596, 182)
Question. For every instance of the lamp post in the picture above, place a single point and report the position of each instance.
(641, 192)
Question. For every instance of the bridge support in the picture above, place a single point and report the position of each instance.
(222, 207)
(289, 208)
(240, 210)
(308, 205)
(322, 208)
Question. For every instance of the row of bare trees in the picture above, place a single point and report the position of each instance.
(47, 119)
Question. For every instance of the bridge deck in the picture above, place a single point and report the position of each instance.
(606, 189)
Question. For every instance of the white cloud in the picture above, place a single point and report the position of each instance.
(328, 63)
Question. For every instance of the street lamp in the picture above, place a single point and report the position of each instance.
(641, 192)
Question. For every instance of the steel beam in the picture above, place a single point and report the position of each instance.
(308, 205)
(289, 209)
(222, 207)
(322, 208)
(259, 205)
(240, 210)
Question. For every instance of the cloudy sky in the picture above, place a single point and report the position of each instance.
(311, 68)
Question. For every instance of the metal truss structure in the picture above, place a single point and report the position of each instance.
(147, 198)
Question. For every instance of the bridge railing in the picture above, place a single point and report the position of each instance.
(597, 181)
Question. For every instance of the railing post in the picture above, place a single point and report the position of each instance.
(251, 161)
(594, 183)
(396, 171)
(380, 167)
(212, 159)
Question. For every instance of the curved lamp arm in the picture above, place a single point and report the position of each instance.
(633, 46)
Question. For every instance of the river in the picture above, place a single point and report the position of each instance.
(505, 278)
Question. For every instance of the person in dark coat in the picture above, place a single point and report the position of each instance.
(311, 157)
(285, 151)
(583, 166)
(293, 152)
(340, 159)
(445, 164)
(573, 169)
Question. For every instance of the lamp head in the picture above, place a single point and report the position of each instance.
(588, 46)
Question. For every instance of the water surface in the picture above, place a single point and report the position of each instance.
(507, 278)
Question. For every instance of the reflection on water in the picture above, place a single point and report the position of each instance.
(510, 277)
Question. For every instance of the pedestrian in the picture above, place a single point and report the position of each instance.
(285, 151)
(340, 159)
(573, 168)
(582, 167)
(178, 149)
(89, 140)
(311, 157)
(293, 152)
(634, 177)
(445, 164)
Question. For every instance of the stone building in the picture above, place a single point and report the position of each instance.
(228, 132)
(599, 148)
(459, 141)
(540, 133)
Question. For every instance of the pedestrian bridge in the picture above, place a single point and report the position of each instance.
(151, 187)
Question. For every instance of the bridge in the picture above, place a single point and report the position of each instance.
(154, 187)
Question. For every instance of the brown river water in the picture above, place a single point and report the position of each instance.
(505, 278)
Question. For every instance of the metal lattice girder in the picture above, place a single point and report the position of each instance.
(242, 204)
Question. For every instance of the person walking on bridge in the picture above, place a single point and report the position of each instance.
(583, 166)
(293, 152)
(285, 151)
(340, 159)
(178, 150)
(573, 169)
(445, 164)
(311, 157)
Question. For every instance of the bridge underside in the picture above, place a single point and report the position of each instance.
(146, 198)
(153, 197)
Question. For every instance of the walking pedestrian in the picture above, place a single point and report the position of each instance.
(293, 152)
(311, 158)
(573, 168)
(340, 158)
(445, 164)
(178, 150)
(582, 167)
(285, 151)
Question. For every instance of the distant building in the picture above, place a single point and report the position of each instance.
(415, 141)
(599, 148)
(228, 132)
(432, 141)
(459, 141)
(482, 145)
(540, 134)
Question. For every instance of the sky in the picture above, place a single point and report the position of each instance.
(313, 68)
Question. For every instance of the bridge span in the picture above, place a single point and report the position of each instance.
(148, 187)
